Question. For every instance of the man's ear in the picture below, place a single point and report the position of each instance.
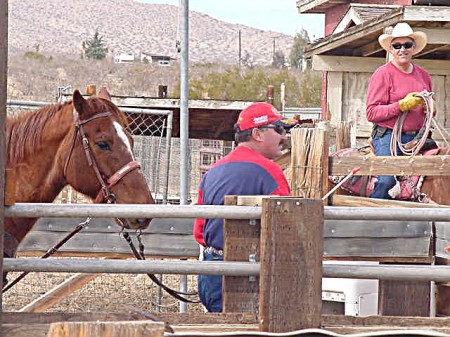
(256, 134)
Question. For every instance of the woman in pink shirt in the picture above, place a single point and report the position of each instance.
(391, 92)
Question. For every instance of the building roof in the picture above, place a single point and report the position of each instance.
(360, 13)
(362, 39)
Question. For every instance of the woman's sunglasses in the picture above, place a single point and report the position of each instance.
(277, 128)
(406, 45)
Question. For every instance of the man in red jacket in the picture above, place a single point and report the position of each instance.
(248, 170)
(391, 92)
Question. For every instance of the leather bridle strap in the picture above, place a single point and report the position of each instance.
(115, 178)
(105, 193)
(140, 256)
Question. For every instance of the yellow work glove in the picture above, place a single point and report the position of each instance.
(410, 102)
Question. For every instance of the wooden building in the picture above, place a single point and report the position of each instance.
(350, 52)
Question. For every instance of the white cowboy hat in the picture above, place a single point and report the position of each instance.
(402, 29)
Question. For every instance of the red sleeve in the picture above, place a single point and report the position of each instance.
(378, 107)
(199, 224)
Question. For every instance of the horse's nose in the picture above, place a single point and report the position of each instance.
(143, 223)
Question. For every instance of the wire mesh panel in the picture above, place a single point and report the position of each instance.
(92, 293)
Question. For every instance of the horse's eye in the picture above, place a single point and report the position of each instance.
(104, 146)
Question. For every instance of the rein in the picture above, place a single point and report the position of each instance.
(50, 252)
(140, 256)
(105, 194)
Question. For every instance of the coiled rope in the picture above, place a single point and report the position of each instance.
(412, 148)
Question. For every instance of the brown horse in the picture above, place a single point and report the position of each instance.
(83, 143)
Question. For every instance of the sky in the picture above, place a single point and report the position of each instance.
(276, 15)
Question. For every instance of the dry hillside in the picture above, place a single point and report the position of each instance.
(60, 26)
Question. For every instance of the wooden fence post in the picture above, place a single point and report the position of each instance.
(291, 264)
(241, 243)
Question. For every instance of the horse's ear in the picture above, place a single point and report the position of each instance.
(103, 93)
(79, 102)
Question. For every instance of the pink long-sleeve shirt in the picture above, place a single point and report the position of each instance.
(387, 86)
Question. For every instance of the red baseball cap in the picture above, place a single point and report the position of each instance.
(259, 114)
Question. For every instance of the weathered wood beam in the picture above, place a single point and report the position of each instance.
(59, 293)
(404, 166)
(426, 13)
(370, 64)
(368, 49)
(427, 51)
(353, 201)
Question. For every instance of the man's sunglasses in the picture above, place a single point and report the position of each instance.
(406, 45)
(277, 128)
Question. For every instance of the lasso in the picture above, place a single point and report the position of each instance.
(412, 148)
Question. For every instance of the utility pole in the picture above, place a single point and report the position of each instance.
(240, 48)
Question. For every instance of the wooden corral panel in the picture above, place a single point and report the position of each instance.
(164, 237)
(442, 239)
(382, 240)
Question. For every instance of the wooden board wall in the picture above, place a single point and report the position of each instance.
(347, 81)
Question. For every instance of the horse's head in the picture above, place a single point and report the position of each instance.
(100, 162)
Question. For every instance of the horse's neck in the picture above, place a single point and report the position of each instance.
(40, 178)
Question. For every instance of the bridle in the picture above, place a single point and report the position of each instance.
(104, 194)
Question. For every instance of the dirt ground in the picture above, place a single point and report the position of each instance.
(104, 293)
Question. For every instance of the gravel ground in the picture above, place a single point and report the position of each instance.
(105, 293)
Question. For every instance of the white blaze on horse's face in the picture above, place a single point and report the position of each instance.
(123, 136)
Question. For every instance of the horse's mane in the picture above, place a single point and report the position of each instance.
(24, 131)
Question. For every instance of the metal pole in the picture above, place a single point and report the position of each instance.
(184, 102)
(168, 153)
(184, 115)
(377, 272)
(3, 90)
(36, 210)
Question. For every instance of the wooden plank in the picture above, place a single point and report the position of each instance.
(170, 317)
(335, 96)
(291, 264)
(352, 201)
(307, 162)
(59, 293)
(377, 229)
(379, 248)
(108, 225)
(370, 64)
(426, 13)
(112, 243)
(3, 95)
(404, 298)
(381, 165)
(241, 243)
(107, 329)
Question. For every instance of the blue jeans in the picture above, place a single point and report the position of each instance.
(210, 287)
(382, 148)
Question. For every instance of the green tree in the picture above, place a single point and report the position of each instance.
(302, 89)
(300, 41)
(95, 48)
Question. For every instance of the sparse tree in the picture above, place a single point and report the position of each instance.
(95, 48)
(247, 60)
(296, 56)
(279, 60)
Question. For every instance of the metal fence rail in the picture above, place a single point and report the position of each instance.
(354, 271)
(31, 210)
